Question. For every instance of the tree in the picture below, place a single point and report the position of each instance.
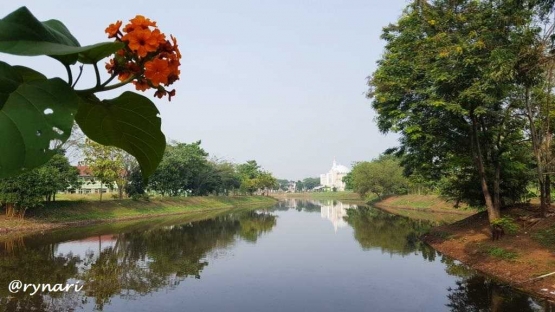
(106, 164)
(57, 175)
(310, 183)
(135, 183)
(184, 168)
(249, 171)
(299, 186)
(446, 83)
(266, 181)
(381, 176)
(227, 177)
(30, 189)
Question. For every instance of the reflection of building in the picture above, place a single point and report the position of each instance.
(334, 178)
(335, 211)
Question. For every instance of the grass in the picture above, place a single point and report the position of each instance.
(501, 253)
(546, 237)
(414, 201)
(86, 210)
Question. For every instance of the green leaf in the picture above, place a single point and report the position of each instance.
(99, 51)
(129, 122)
(28, 74)
(22, 34)
(36, 115)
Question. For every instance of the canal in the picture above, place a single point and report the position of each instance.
(300, 255)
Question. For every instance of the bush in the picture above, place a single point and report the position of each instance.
(508, 225)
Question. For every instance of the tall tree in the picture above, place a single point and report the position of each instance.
(445, 83)
(106, 164)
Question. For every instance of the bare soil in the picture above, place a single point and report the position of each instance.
(516, 259)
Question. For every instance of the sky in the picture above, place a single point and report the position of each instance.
(282, 82)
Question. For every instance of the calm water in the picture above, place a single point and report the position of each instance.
(297, 256)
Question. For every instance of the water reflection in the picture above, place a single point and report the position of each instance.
(127, 265)
(157, 256)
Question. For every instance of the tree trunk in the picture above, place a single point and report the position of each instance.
(493, 211)
(497, 186)
(120, 191)
(100, 191)
(536, 144)
(547, 191)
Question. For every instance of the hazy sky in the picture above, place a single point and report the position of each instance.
(281, 82)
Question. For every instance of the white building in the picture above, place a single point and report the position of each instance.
(334, 178)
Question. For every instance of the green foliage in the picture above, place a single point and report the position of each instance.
(37, 114)
(184, 168)
(310, 183)
(129, 122)
(447, 82)
(546, 237)
(30, 189)
(348, 179)
(501, 253)
(508, 224)
(382, 176)
(34, 115)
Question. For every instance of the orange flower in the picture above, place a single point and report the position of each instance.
(142, 41)
(110, 67)
(157, 71)
(140, 22)
(175, 47)
(141, 85)
(113, 29)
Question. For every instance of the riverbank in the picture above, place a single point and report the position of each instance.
(341, 196)
(523, 254)
(76, 213)
(424, 207)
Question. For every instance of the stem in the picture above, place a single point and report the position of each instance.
(69, 75)
(108, 81)
(102, 88)
(78, 76)
(97, 74)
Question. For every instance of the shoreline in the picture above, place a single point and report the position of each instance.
(69, 214)
(515, 259)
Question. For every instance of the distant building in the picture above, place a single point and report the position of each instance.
(90, 185)
(292, 186)
(334, 178)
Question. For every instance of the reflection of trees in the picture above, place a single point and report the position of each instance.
(394, 234)
(476, 294)
(255, 224)
(136, 264)
(36, 265)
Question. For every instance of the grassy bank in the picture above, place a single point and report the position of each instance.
(423, 207)
(527, 250)
(72, 213)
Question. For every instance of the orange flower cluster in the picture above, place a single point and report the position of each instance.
(148, 58)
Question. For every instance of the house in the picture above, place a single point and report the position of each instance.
(90, 185)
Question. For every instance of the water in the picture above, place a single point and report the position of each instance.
(297, 256)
